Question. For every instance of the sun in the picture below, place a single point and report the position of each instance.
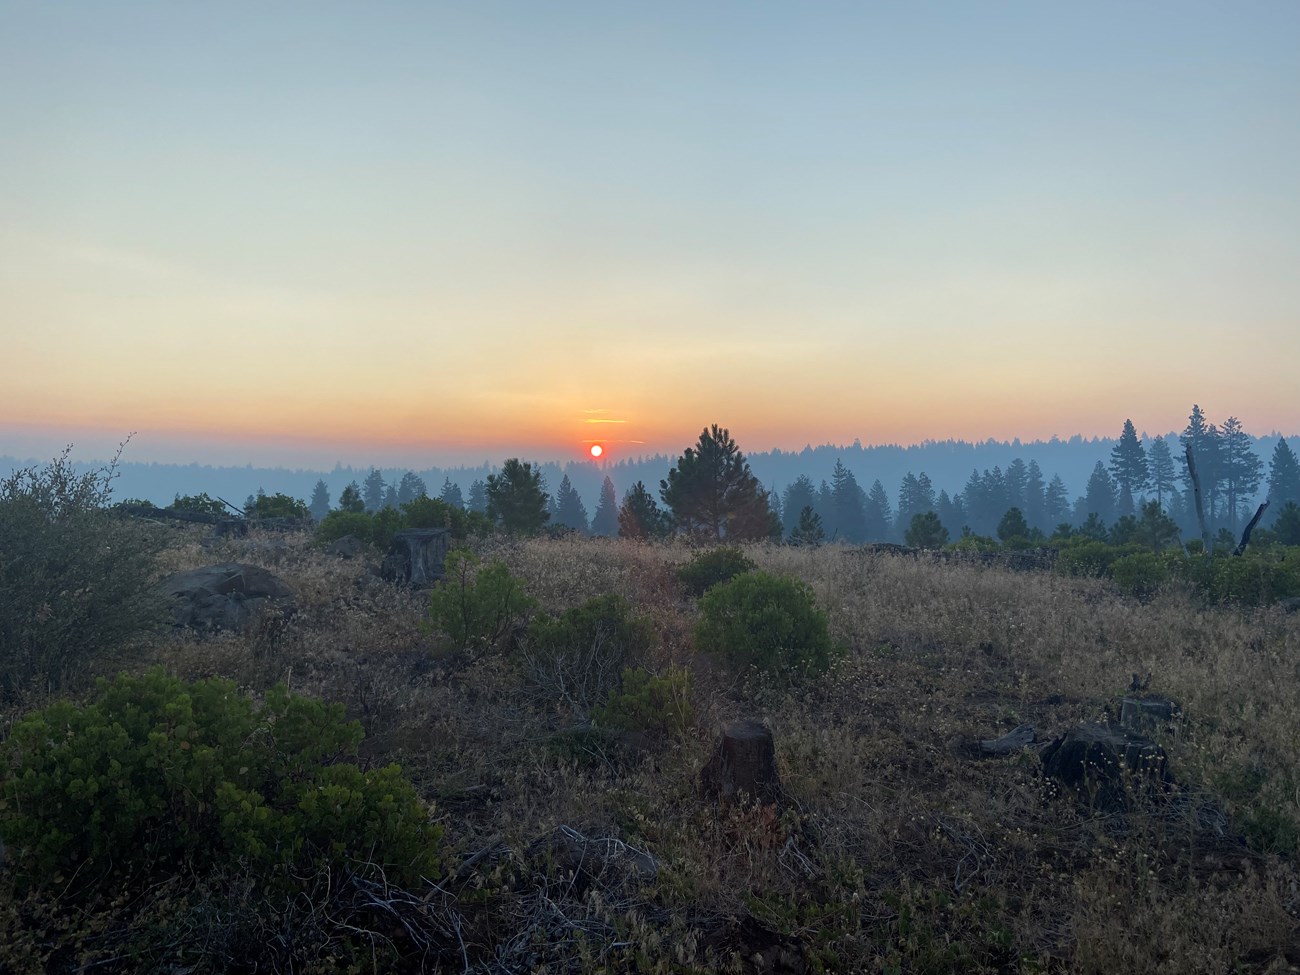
(597, 450)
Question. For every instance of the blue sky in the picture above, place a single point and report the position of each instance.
(430, 231)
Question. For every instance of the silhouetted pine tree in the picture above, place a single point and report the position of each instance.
(1128, 466)
(515, 498)
(1163, 471)
(478, 499)
(1098, 498)
(809, 530)
(1056, 502)
(570, 512)
(1017, 481)
(1283, 478)
(846, 499)
(711, 491)
(1203, 438)
(605, 521)
(799, 494)
(410, 487)
(877, 514)
(320, 500)
(451, 495)
(373, 490)
(351, 500)
(639, 516)
(952, 514)
(1242, 471)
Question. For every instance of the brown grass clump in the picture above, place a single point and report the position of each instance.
(895, 850)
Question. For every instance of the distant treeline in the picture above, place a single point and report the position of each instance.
(862, 493)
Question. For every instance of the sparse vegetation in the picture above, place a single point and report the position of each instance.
(894, 849)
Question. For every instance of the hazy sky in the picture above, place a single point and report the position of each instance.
(413, 232)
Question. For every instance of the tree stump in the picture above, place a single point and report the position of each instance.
(416, 556)
(1105, 765)
(744, 763)
(1147, 714)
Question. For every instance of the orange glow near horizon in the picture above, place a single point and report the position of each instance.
(597, 450)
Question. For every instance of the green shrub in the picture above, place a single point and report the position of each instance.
(1084, 556)
(278, 506)
(477, 605)
(384, 524)
(649, 704)
(706, 569)
(766, 623)
(578, 657)
(973, 544)
(337, 524)
(1253, 579)
(426, 512)
(75, 577)
(200, 503)
(156, 776)
(1140, 574)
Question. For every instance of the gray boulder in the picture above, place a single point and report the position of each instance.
(228, 596)
(347, 547)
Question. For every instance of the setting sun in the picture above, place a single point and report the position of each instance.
(597, 450)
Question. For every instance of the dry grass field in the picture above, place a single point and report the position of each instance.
(896, 847)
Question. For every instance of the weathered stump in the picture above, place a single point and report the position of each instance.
(1147, 714)
(417, 556)
(744, 763)
(1104, 765)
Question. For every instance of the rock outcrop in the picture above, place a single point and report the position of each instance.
(228, 596)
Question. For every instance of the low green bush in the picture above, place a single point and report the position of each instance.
(1252, 579)
(1080, 555)
(278, 505)
(337, 524)
(766, 623)
(706, 569)
(156, 776)
(1141, 574)
(649, 704)
(477, 605)
(199, 503)
(378, 528)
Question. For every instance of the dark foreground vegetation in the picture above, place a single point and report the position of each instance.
(505, 774)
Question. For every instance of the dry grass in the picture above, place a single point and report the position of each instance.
(896, 851)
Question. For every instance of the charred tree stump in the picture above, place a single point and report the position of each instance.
(1105, 766)
(1200, 505)
(417, 556)
(743, 764)
(1245, 536)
